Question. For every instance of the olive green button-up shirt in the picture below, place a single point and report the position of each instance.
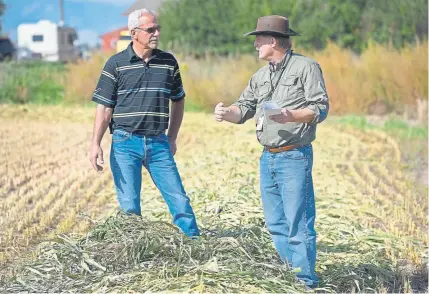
(294, 83)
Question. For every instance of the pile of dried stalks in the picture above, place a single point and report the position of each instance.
(127, 253)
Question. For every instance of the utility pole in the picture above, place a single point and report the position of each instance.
(61, 13)
(2, 9)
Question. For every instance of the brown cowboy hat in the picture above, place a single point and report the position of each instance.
(273, 25)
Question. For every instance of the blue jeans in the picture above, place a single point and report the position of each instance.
(288, 199)
(128, 154)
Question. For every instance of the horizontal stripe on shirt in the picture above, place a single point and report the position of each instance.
(140, 92)
(140, 114)
(144, 90)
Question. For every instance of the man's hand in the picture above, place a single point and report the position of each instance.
(96, 153)
(103, 115)
(284, 117)
(220, 112)
(173, 146)
(305, 115)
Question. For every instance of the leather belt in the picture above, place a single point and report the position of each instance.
(281, 149)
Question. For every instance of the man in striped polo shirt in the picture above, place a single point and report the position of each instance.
(133, 96)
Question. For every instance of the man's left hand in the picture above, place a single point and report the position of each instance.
(284, 117)
(173, 146)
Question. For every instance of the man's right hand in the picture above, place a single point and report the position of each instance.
(96, 153)
(220, 111)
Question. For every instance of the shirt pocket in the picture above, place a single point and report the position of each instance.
(262, 91)
(290, 88)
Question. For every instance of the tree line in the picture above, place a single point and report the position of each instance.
(217, 26)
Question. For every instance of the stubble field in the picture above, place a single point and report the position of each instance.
(371, 215)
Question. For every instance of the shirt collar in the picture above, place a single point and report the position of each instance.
(282, 63)
(133, 56)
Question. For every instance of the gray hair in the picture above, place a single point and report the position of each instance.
(283, 42)
(134, 17)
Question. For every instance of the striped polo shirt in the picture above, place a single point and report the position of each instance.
(139, 92)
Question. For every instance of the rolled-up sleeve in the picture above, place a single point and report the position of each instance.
(247, 102)
(315, 92)
(106, 91)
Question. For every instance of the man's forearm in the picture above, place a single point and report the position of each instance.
(304, 115)
(102, 120)
(176, 118)
(233, 115)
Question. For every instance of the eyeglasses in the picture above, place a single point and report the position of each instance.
(151, 30)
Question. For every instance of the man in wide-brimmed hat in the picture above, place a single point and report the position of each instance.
(287, 98)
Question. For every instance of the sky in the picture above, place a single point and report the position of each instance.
(90, 18)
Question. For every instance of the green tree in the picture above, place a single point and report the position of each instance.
(217, 26)
(321, 20)
(395, 21)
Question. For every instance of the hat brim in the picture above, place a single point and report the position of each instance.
(273, 33)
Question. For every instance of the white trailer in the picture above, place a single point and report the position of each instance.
(53, 42)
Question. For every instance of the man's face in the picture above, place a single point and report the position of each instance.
(264, 44)
(147, 34)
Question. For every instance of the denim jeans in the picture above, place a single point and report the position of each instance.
(129, 152)
(288, 199)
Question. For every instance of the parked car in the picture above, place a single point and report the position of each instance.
(7, 50)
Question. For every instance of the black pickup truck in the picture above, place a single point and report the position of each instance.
(7, 50)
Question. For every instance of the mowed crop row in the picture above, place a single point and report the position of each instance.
(45, 180)
(47, 185)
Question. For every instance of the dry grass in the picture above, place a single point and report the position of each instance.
(371, 221)
(215, 79)
(382, 79)
(395, 78)
(81, 78)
